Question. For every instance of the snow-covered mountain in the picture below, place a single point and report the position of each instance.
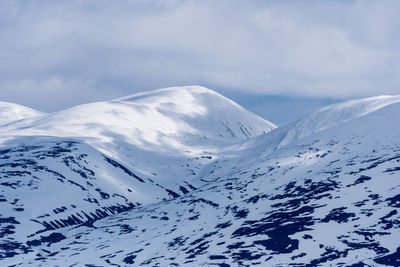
(76, 166)
(185, 177)
(175, 116)
(334, 115)
(10, 112)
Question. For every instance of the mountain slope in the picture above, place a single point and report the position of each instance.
(323, 119)
(333, 115)
(10, 112)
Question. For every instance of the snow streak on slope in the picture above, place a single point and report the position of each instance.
(10, 112)
(329, 198)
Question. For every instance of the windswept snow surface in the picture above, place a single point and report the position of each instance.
(325, 118)
(157, 179)
(336, 114)
(10, 112)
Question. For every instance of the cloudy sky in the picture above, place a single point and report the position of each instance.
(55, 54)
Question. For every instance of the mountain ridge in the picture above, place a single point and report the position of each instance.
(174, 111)
(308, 193)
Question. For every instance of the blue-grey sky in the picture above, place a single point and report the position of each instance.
(55, 54)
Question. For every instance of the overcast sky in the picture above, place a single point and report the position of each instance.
(55, 54)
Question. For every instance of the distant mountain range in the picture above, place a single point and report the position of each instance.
(183, 176)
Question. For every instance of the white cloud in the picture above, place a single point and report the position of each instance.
(313, 48)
